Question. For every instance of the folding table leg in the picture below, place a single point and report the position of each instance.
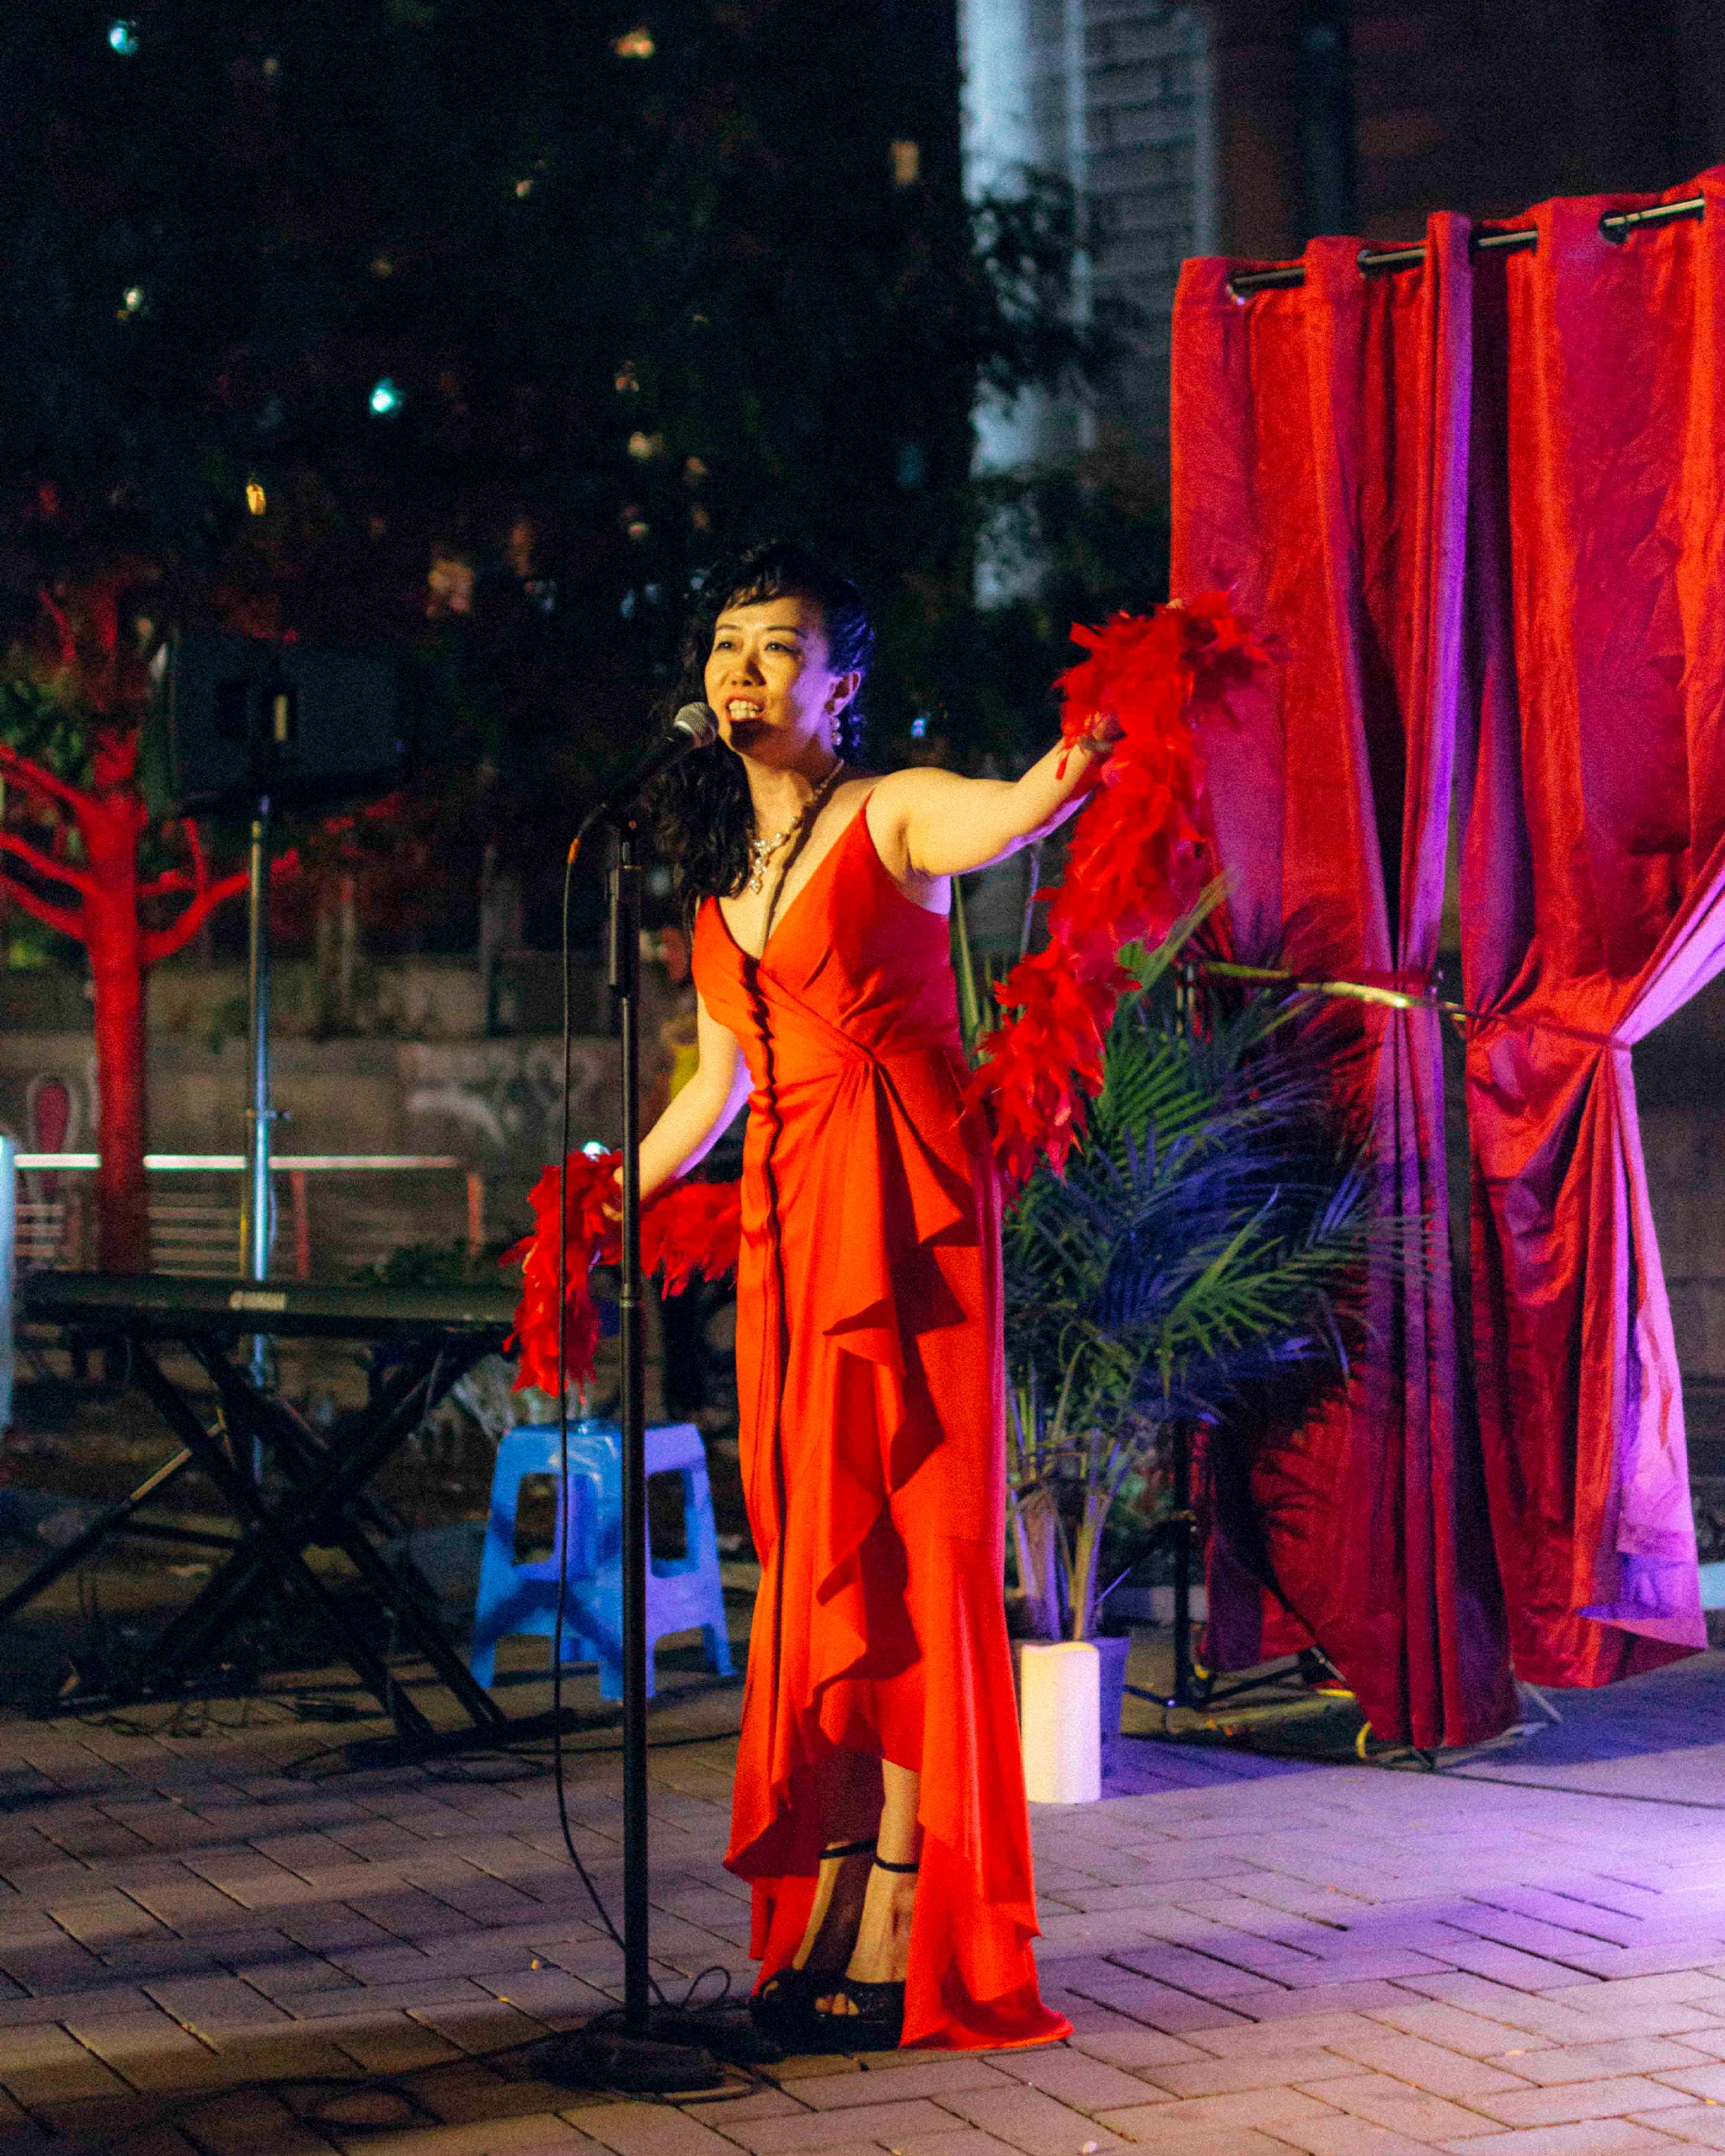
(194, 1632)
(100, 1528)
(287, 1561)
(406, 1593)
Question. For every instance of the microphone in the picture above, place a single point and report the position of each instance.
(694, 726)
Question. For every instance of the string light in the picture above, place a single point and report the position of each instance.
(257, 501)
(644, 447)
(123, 36)
(626, 382)
(134, 302)
(385, 398)
(905, 160)
(635, 45)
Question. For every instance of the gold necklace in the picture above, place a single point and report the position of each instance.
(762, 851)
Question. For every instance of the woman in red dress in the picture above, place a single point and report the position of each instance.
(879, 1810)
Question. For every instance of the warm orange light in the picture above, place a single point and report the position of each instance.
(906, 159)
(644, 447)
(634, 45)
(256, 500)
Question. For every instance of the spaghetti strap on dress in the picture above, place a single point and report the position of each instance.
(871, 1397)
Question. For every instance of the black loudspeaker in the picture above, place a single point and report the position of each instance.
(306, 727)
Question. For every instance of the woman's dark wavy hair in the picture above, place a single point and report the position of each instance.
(703, 815)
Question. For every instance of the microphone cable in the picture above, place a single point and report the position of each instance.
(558, 1766)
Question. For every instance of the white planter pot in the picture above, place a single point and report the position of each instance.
(1060, 1722)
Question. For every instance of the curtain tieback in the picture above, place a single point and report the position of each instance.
(1410, 990)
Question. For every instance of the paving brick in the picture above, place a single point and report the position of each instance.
(466, 2091)
(1424, 2065)
(1265, 2069)
(1225, 2141)
(1308, 2032)
(961, 2141)
(1350, 2136)
(889, 2124)
(1683, 1987)
(1323, 1999)
(934, 2076)
(44, 2067)
(1028, 2120)
(1266, 2108)
(254, 2124)
(1588, 2138)
(1201, 1975)
(548, 2135)
(1656, 2055)
(208, 2004)
(1707, 2082)
(1392, 2105)
(1157, 2005)
(151, 2052)
(1076, 2077)
(1125, 2044)
(1702, 2127)
(387, 2043)
(1581, 2100)
(1551, 2018)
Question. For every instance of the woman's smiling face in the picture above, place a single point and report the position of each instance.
(768, 677)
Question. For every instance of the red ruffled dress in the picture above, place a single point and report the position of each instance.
(871, 1392)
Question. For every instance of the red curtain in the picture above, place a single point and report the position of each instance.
(1321, 448)
(1593, 897)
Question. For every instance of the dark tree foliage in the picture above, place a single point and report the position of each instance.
(637, 284)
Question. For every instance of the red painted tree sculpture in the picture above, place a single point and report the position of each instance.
(80, 873)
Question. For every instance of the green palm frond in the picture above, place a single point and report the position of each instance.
(1206, 1245)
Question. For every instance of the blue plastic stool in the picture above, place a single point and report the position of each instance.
(682, 1594)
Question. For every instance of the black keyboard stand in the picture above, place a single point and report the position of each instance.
(314, 1492)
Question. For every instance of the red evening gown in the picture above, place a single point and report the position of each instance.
(871, 1397)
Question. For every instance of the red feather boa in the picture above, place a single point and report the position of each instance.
(687, 1229)
(1134, 864)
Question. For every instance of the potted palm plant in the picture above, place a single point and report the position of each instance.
(1204, 1247)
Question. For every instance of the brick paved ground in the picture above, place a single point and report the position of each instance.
(1259, 1955)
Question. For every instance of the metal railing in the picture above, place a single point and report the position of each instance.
(47, 1231)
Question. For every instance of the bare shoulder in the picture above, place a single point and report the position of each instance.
(900, 802)
(899, 791)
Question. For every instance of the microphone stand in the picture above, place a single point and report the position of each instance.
(631, 2053)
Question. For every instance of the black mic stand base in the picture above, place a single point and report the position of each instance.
(604, 2054)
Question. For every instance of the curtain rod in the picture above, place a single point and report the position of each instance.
(1616, 225)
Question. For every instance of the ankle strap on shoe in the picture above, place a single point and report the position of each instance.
(850, 1849)
(881, 1864)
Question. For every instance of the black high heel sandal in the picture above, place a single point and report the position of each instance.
(878, 2023)
(783, 2007)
